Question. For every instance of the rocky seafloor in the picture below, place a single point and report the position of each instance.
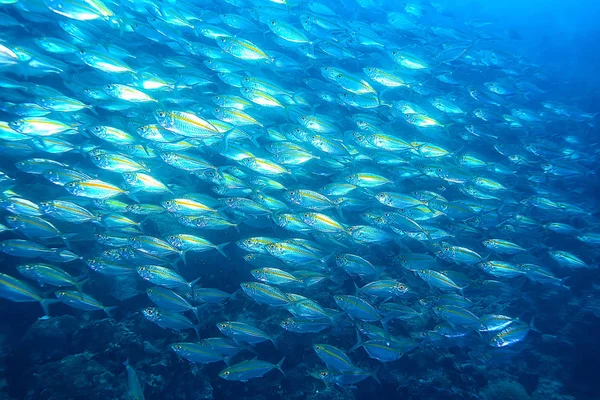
(80, 356)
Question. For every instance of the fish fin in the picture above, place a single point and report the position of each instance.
(279, 364)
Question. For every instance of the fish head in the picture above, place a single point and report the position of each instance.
(293, 196)
(318, 348)
(16, 125)
(287, 324)
(225, 374)
(177, 347)
(169, 205)
(247, 287)
(273, 249)
(94, 264)
(341, 259)
(161, 116)
(383, 197)
(26, 269)
(111, 88)
(45, 206)
(341, 301)
(400, 288)
(174, 241)
(151, 313)
(224, 327)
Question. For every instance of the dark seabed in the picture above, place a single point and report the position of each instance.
(253, 199)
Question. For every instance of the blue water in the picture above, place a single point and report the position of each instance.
(530, 126)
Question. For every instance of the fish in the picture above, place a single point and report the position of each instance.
(250, 369)
(245, 333)
(18, 291)
(164, 276)
(82, 301)
(46, 274)
(169, 320)
(135, 387)
(334, 358)
(197, 353)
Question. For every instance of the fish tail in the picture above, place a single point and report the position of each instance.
(279, 364)
(358, 342)
(65, 239)
(132, 196)
(108, 311)
(45, 303)
(220, 248)
(274, 341)
(533, 327)
(79, 285)
(196, 311)
(193, 283)
(373, 374)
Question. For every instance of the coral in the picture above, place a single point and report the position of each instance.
(549, 389)
(504, 390)
(49, 339)
(78, 376)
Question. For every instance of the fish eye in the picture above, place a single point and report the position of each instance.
(223, 325)
(161, 114)
(273, 23)
(226, 373)
(339, 76)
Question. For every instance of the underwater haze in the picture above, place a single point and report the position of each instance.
(284, 199)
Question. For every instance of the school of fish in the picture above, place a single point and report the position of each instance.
(395, 179)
